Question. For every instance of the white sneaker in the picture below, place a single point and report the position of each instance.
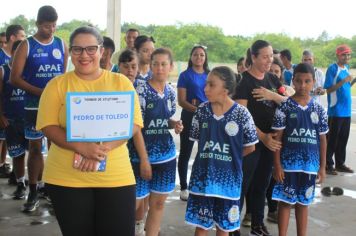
(139, 228)
(184, 195)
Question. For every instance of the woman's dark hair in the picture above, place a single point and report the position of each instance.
(164, 51)
(257, 45)
(127, 55)
(205, 65)
(277, 61)
(140, 40)
(46, 14)
(226, 75)
(86, 30)
(248, 61)
(304, 68)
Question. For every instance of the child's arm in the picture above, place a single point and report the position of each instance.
(321, 172)
(3, 121)
(176, 125)
(278, 173)
(145, 166)
(247, 150)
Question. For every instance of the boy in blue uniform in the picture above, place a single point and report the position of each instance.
(225, 132)
(158, 105)
(37, 60)
(11, 119)
(301, 125)
(13, 33)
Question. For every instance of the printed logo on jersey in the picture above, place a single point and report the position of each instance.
(314, 117)
(150, 106)
(231, 128)
(293, 115)
(57, 53)
(234, 214)
(205, 125)
(309, 192)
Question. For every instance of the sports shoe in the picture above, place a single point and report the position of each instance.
(42, 193)
(260, 230)
(139, 228)
(32, 202)
(235, 233)
(5, 170)
(184, 194)
(344, 168)
(247, 220)
(12, 179)
(272, 217)
(330, 170)
(20, 191)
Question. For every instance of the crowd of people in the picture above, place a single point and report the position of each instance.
(265, 120)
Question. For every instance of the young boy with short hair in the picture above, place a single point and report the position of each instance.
(301, 125)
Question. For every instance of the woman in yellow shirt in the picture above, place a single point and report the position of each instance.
(86, 201)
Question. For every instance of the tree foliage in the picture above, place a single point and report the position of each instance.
(221, 48)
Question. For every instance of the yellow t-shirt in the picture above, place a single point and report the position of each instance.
(52, 111)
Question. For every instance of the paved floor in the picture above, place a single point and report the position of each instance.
(334, 215)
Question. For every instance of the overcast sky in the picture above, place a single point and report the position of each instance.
(296, 18)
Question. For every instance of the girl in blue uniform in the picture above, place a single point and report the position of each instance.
(158, 105)
(225, 132)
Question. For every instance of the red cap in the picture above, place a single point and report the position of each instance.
(343, 49)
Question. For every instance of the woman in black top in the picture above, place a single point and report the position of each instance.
(257, 166)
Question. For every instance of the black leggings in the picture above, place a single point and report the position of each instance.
(94, 211)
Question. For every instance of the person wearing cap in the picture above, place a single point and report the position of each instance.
(308, 57)
(338, 88)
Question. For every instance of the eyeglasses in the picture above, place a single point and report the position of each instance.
(90, 50)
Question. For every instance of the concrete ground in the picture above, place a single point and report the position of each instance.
(334, 215)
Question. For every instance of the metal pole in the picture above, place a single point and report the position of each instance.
(113, 29)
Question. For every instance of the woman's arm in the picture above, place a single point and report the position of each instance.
(262, 94)
(182, 100)
(57, 135)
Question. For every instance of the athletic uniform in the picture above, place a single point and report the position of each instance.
(194, 84)
(339, 112)
(44, 62)
(13, 110)
(157, 109)
(300, 153)
(144, 77)
(216, 179)
(4, 57)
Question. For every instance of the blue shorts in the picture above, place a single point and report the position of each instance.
(30, 125)
(2, 134)
(297, 187)
(15, 138)
(204, 211)
(162, 182)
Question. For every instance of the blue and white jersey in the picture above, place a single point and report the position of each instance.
(115, 68)
(44, 62)
(12, 98)
(301, 137)
(4, 57)
(217, 168)
(145, 77)
(288, 75)
(156, 110)
(339, 101)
